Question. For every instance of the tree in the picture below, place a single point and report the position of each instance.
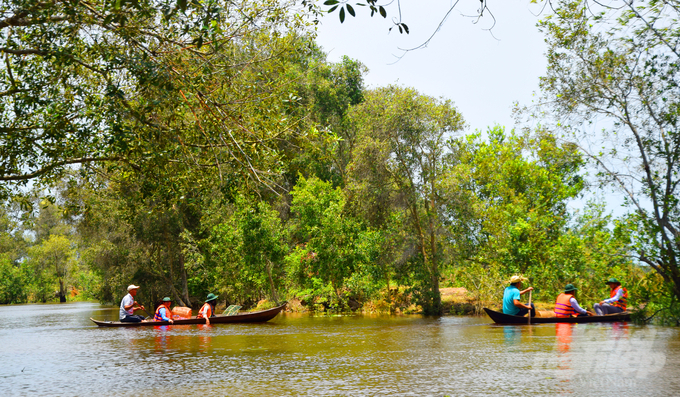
(327, 235)
(12, 240)
(507, 206)
(619, 69)
(397, 164)
(105, 82)
(249, 249)
(14, 279)
(53, 259)
(326, 92)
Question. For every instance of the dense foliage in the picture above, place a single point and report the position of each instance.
(197, 147)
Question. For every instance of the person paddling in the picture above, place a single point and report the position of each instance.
(163, 312)
(128, 306)
(208, 309)
(618, 297)
(511, 296)
(567, 305)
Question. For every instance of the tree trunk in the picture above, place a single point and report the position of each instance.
(185, 284)
(62, 292)
(271, 282)
(389, 295)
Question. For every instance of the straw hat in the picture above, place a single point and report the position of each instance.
(516, 279)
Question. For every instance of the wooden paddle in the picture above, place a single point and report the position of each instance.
(529, 321)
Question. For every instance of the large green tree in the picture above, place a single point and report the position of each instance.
(398, 160)
(618, 69)
(135, 83)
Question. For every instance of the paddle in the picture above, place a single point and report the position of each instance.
(147, 313)
(529, 321)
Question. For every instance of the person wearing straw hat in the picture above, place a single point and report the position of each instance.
(163, 312)
(567, 305)
(128, 306)
(511, 296)
(618, 297)
(208, 309)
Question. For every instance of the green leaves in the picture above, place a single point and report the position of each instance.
(344, 5)
(615, 68)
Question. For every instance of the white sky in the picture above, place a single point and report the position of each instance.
(482, 72)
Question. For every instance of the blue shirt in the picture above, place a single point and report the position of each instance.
(511, 293)
(164, 313)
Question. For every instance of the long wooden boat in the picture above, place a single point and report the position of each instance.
(254, 317)
(502, 318)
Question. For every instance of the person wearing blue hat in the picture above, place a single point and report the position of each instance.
(208, 309)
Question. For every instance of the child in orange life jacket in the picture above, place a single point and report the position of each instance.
(567, 305)
(618, 297)
(163, 312)
(208, 309)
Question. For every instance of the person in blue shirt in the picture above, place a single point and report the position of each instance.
(511, 296)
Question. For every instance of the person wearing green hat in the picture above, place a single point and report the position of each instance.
(208, 309)
(567, 305)
(163, 312)
(618, 297)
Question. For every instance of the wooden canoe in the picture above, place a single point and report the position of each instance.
(502, 318)
(254, 317)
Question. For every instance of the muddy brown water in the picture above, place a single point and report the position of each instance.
(54, 350)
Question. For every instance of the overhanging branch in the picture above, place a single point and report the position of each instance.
(50, 167)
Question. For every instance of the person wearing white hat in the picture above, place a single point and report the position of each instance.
(511, 296)
(128, 306)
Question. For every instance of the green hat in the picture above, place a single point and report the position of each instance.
(166, 299)
(612, 280)
(211, 297)
(570, 287)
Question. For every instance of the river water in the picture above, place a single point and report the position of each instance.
(55, 350)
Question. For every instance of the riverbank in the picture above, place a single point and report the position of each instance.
(455, 301)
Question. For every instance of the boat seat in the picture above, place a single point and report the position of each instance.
(231, 310)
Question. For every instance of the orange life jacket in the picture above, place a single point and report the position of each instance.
(563, 306)
(157, 316)
(206, 311)
(624, 298)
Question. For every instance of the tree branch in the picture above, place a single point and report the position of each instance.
(52, 166)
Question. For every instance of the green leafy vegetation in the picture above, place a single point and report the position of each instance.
(196, 148)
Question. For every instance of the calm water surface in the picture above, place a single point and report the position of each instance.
(54, 350)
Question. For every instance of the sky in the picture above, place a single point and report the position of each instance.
(482, 71)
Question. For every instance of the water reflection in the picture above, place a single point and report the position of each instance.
(563, 332)
(298, 355)
(161, 337)
(512, 334)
